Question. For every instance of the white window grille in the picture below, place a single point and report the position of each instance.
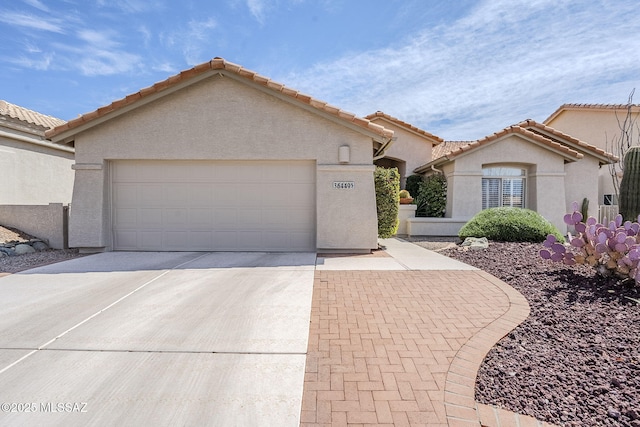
(503, 186)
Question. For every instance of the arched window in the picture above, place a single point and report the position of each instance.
(503, 186)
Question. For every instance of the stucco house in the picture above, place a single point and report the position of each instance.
(411, 146)
(529, 165)
(34, 171)
(219, 157)
(598, 125)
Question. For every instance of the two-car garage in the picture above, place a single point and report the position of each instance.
(213, 205)
(219, 158)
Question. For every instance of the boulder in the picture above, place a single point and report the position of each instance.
(24, 249)
(7, 251)
(39, 246)
(476, 243)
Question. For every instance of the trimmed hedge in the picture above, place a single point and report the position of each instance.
(509, 225)
(387, 183)
(413, 184)
(432, 196)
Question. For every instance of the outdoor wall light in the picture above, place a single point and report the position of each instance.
(343, 154)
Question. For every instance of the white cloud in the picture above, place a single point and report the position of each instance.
(27, 20)
(99, 53)
(257, 9)
(503, 62)
(131, 6)
(37, 4)
(41, 63)
(195, 41)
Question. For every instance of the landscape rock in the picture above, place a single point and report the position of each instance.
(476, 243)
(24, 248)
(578, 352)
(40, 246)
(7, 251)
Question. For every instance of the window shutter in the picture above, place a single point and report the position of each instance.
(490, 192)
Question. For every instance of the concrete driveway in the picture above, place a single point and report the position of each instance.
(156, 339)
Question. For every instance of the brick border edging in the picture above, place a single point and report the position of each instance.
(459, 392)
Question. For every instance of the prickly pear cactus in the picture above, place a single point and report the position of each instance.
(630, 185)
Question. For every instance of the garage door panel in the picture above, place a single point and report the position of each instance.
(214, 205)
(200, 195)
(176, 194)
(126, 217)
(298, 218)
(150, 218)
(150, 195)
(150, 239)
(200, 218)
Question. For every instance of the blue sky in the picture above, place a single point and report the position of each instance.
(460, 69)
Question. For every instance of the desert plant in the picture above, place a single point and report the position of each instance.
(509, 225)
(413, 183)
(432, 196)
(387, 185)
(629, 197)
(584, 209)
(404, 194)
(612, 249)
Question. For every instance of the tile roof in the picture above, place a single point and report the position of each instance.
(28, 116)
(536, 127)
(380, 114)
(514, 129)
(614, 107)
(447, 147)
(222, 65)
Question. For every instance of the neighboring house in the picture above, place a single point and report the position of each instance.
(599, 125)
(34, 171)
(528, 165)
(221, 158)
(410, 148)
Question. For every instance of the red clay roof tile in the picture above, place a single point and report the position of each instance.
(635, 107)
(380, 114)
(221, 64)
(28, 116)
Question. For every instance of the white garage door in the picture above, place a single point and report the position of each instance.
(214, 205)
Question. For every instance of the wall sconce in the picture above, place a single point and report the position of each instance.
(343, 154)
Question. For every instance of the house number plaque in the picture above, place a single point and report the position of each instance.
(344, 185)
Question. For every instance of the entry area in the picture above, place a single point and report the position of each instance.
(213, 205)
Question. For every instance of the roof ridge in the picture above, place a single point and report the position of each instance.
(28, 116)
(402, 123)
(580, 143)
(218, 63)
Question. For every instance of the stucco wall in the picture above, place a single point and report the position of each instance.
(599, 128)
(545, 171)
(46, 222)
(220, 118)
(581, 181)
(33, 174)
(409, 147)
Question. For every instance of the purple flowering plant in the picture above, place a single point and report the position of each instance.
(613, 249)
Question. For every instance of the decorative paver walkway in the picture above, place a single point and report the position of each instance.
(403, 347)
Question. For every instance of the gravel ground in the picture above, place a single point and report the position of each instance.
(576, 360)
(14, 264)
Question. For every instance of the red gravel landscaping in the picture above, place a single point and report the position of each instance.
(576, 360)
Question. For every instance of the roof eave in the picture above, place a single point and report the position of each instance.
(217, 66)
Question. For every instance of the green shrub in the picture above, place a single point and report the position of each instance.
(509, 225)
(412, 184)
(387, 183)
(431, 197)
